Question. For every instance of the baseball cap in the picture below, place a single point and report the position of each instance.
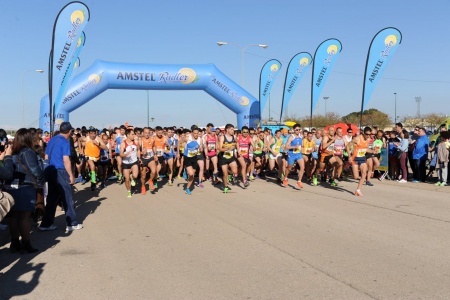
(65, 127)
(212, 129)
(284, 130)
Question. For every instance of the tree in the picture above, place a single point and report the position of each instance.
(318, 121)
(433, 120)
(370, 117)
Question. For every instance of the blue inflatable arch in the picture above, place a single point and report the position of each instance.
(103, 75)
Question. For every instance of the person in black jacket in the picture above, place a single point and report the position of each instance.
(27, 177)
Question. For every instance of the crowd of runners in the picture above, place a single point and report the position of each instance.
(141, 157)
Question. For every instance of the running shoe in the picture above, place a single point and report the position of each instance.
(200, 185)
(178, 177)
(252, 177)
(257, 176)
(314, 180)
(151, 185)
(369, 183)
(170, 183)
(246, 183)
(333, 183)
(285, 181)
(48, 228)
(143, 190)
(300, 184)
(443, 183)
(133, 183)
(230, 178)
(414, 181)
(188, 191)
(74, 227)
(103, 185)
(93, 186)
(156, 185)
(279, 180)
(235, 180)
(437, 183)
(358, 193)
(402, 181)
(129, 194)
(225, 190)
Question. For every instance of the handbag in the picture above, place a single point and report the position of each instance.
(6, 202)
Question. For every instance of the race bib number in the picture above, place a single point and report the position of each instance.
(298, 149)
(159, 152)
(361, 152)
(308, 150)
(243, 151)
(149, 154)
(228, 154)
(192, 152)
(211, 147)
(338, 150)
(377, 149)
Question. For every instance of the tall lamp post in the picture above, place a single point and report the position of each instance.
(23, 98)
(326, 98)
(395, 108)
(264, 46)
(148, 109)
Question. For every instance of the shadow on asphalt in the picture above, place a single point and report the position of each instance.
(86, 203)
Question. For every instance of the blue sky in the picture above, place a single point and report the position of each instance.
(186, 32)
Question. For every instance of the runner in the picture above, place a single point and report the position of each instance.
(358, 158)
(92, 153)
(308, 147)
(275, 156)
(258, 154)
(294, 147)
(372, 161)
(191, 149)
(105, 160)
(170, 153)
(129, 152)
(119, 138)
(317, 138)
(180, 158)
(148, 160)
(347, 138)
(210, 142)
(243, 150)
(159, 148)
(227, 147)
(338, 151)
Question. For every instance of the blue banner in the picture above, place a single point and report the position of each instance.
(298, 66)
(73, 65)
(324, 59)
(68, 28)
(269, 73)
(380, 52)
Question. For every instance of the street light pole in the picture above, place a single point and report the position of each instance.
(148, 109)
(264, 46)
(23, 97)
(326, 98)
(395, 108)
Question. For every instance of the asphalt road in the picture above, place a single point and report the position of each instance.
(264, 242)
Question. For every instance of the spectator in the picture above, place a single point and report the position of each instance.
(60, 178)
(403, 146)
(393, 141)
(6, 163)
(420, 155)
(399, 128)
(442, 158)
(27, 178)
